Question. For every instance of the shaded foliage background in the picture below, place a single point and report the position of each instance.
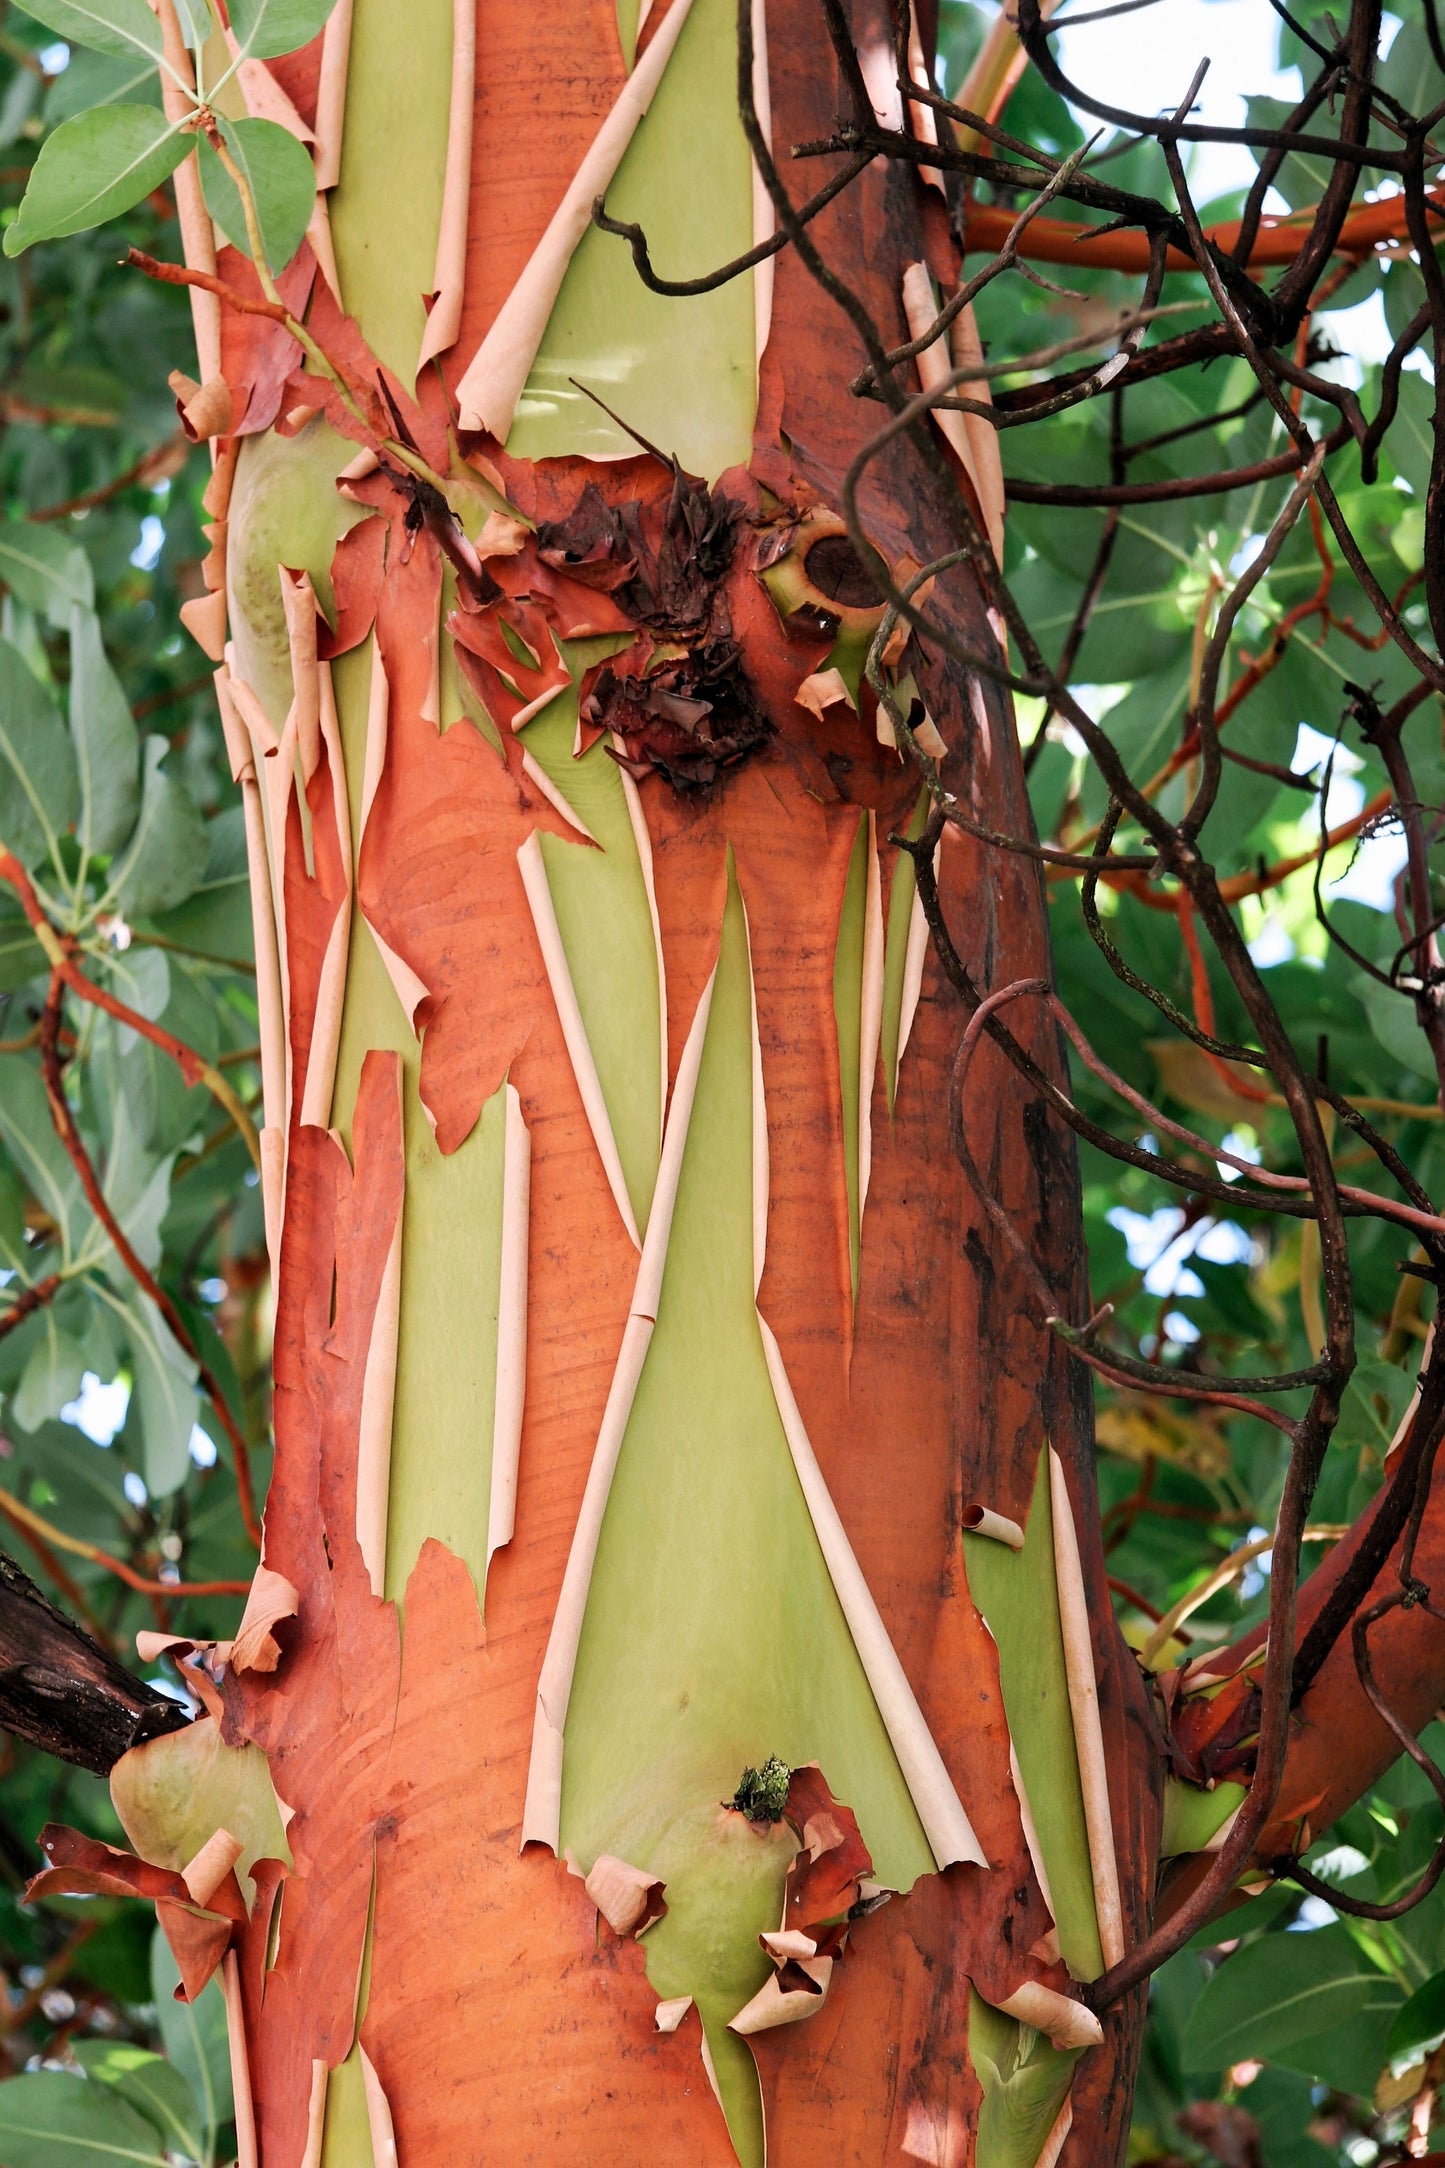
(1285, 2036)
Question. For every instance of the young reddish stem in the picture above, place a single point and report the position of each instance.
(70, 1137)
(34, 1525)
(59, 953)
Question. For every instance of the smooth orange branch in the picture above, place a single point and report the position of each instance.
(59, 951)
(32, 1523)
(1057, 240)
(80, 1159)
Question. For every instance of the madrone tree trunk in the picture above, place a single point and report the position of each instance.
(655, 1401)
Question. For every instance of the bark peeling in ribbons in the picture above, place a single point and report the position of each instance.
(664, 1326)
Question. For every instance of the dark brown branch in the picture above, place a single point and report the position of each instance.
(62, 1692)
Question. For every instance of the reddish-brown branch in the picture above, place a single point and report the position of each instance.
(1057, 240)
(156, 465)
(32, 1524)
(70, 1137)
(28, 1301)
(59, 951)
(65, 1581)
(179, 274)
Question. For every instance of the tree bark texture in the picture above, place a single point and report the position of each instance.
(521, 1279)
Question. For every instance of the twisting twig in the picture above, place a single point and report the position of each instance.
(60, 955)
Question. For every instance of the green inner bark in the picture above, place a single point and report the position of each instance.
(606, 926)
(683, 372)
(386, 212)
(1018, 1596)
(713, 1636)
(1024, 2079)
(441, 1450)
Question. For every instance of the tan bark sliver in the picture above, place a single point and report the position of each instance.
(1031, 1830)
(983, 1521)
(409, 989)
(449, 278)
(509, 1395)
(628, 1897)
(497, 373)
(642, 837)
(247, 2152)
(1054, 2143)
(1084, 1706)
(870, 1017)
(934, 366)
(198, 235)
(966, 349)
(272, 1599)
(204, 1874)
(331, 93)
(1067, 2023)
(764, 218)
(945, 1822)
(574, 1031)
(542, 1813)
(542, 783)
(240, 734)
(315, 2115)
(378, 1400)
(269, 1002)
(326, 1029)
(775, 2005)
(378, 2115)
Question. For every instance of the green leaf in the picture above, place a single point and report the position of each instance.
(106, 747)
(194, 2037)
(154, 2087)
(29, 1137)
(283, 187)
(49, 2120)
(44, 571)
(121, 27)
(93, 168)
(92, 79)
(166, 856)
(1309, 2001)
(137, 1189)
(1420, 2025)
(163, 1398)
(1411, 441)
(269, 27)
(51, 1377)
(39, 791)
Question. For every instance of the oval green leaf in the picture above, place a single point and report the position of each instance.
(151, 2085)
(268, 27)
(282, 181)
(45, 571)
(123, 27)
(93, 168)
(1421, 2022)
(49, 2120)
(1305, 2000)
